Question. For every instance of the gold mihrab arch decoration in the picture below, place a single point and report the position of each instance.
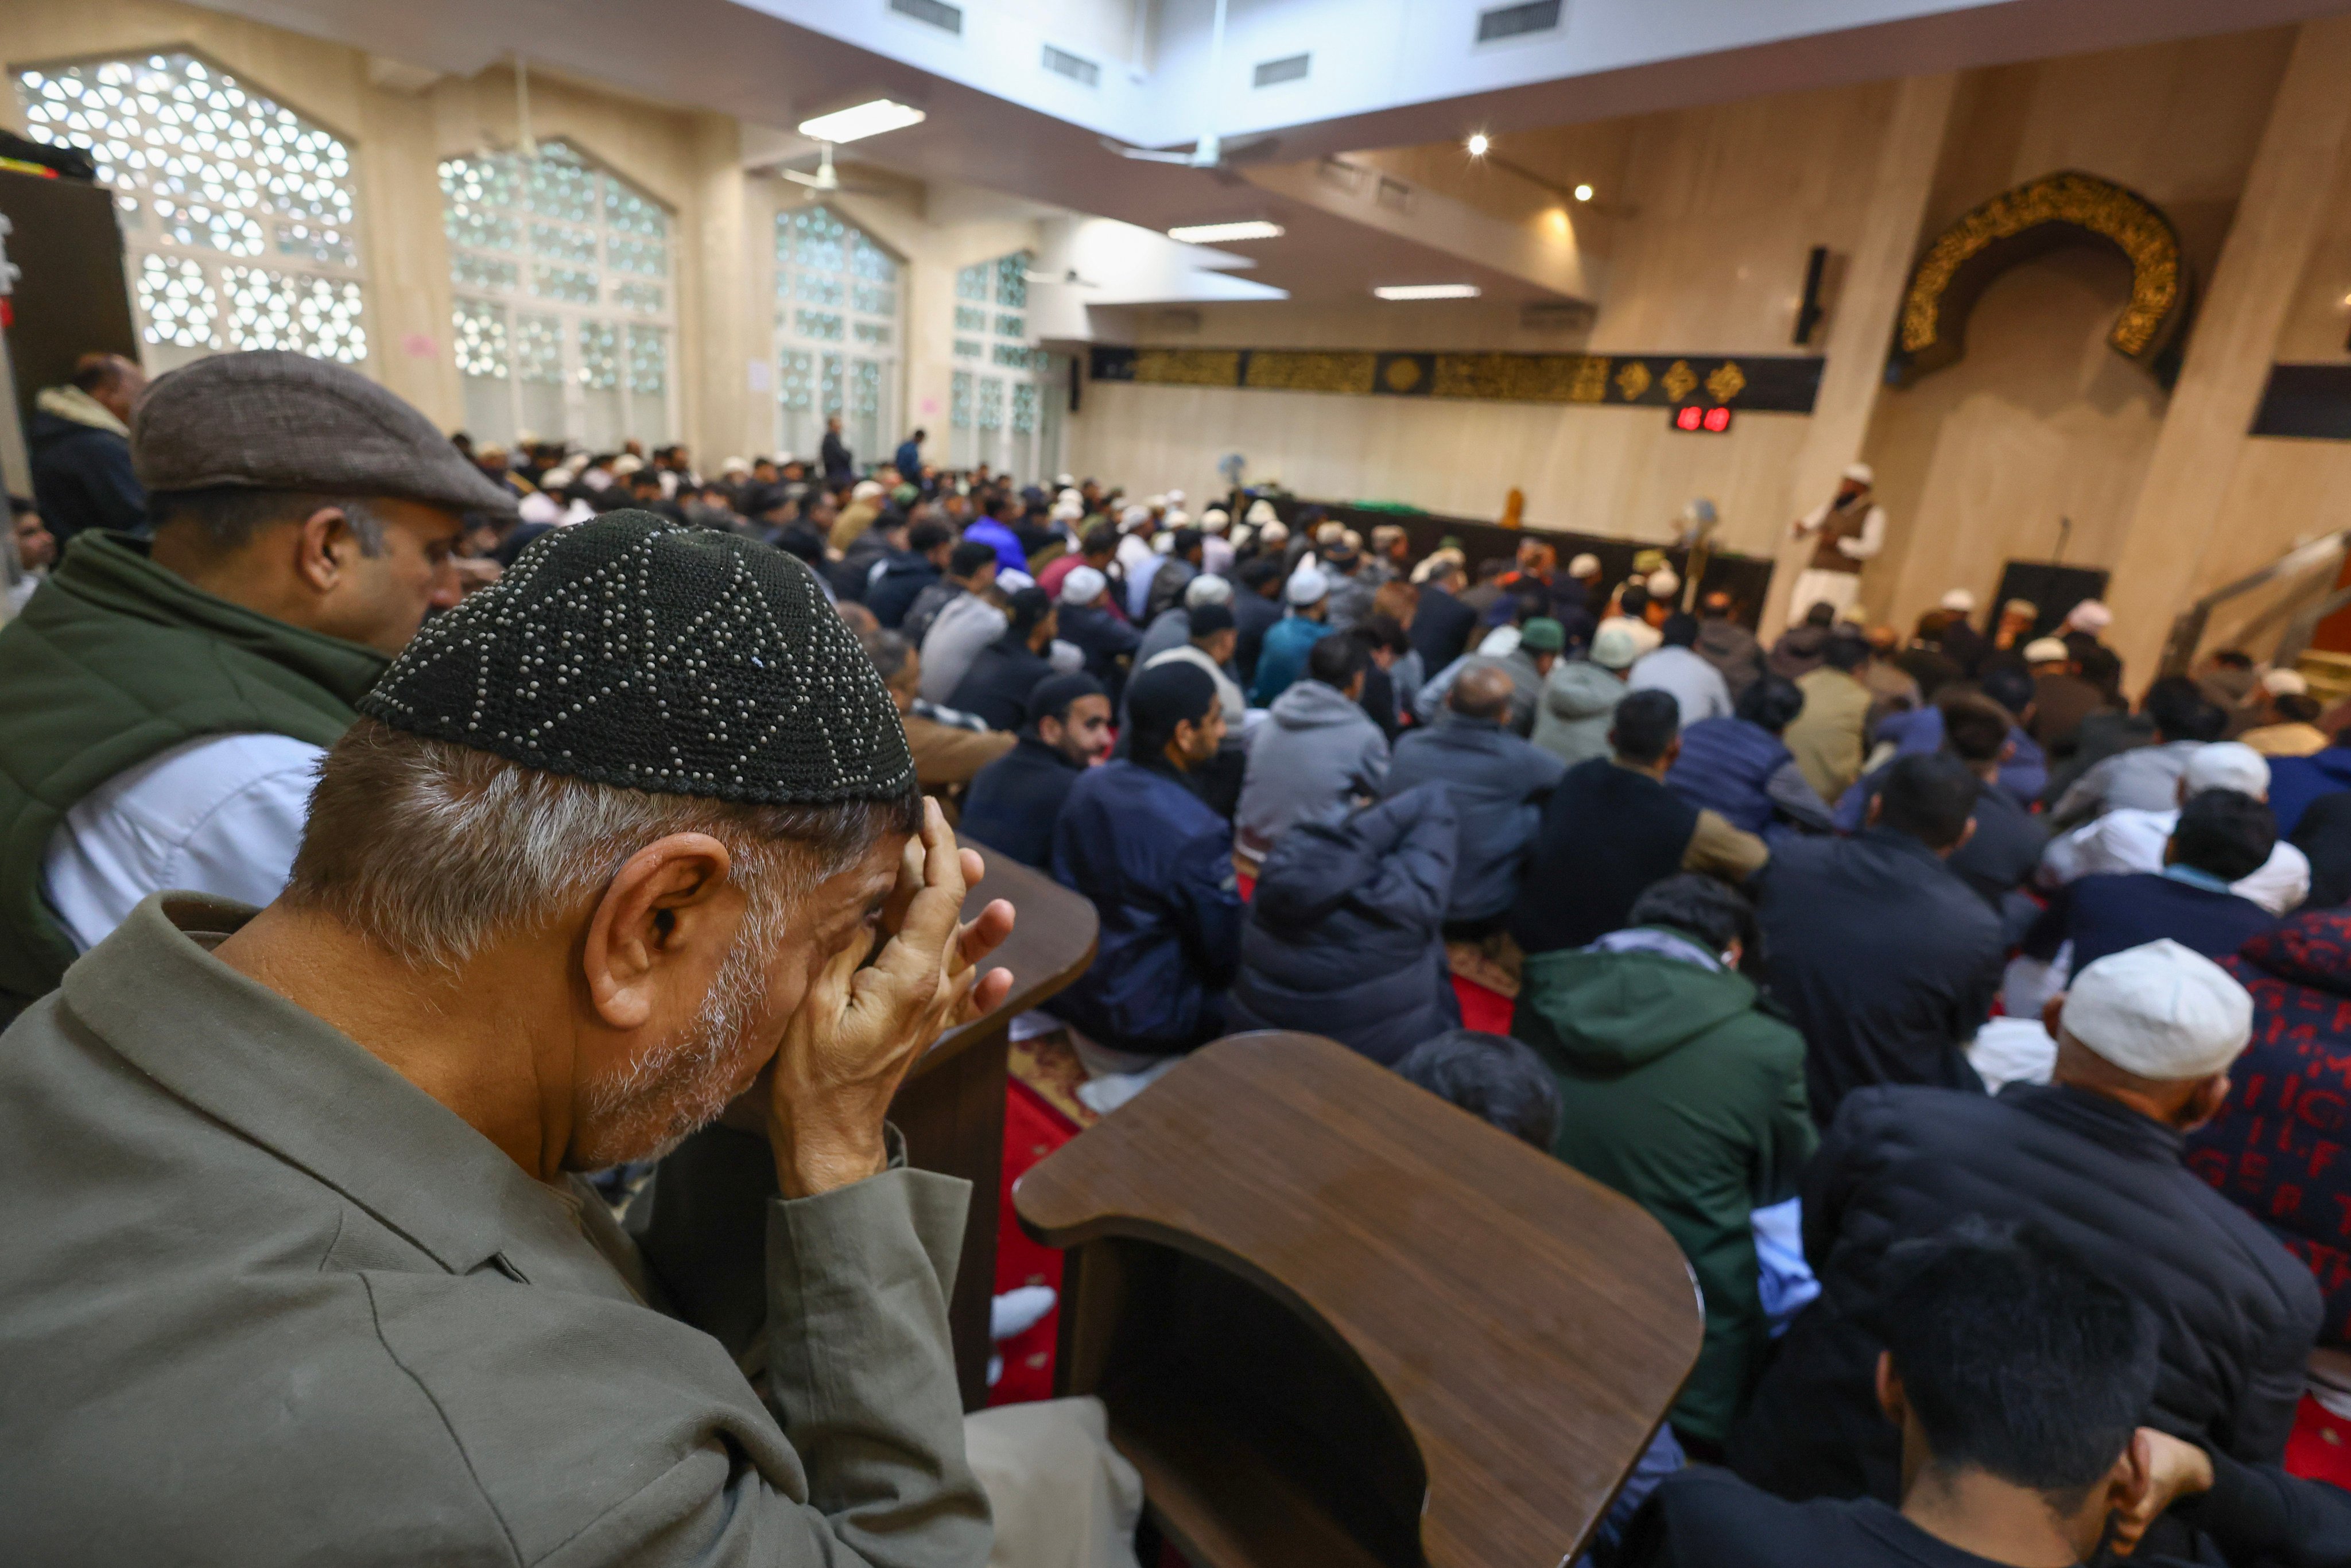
(2060, 209)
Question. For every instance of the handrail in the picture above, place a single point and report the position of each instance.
(2188, 627)
(2296, 638)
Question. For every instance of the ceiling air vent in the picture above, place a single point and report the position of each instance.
(1518, 20)
(1077, 68)
(936, 14)
(1273, 73)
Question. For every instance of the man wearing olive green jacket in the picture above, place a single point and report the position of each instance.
(1678, 1091)
(297, 1268)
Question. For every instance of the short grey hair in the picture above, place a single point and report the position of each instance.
(889, 651)
(432, 850)
(227, 515)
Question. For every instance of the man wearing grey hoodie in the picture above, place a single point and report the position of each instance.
(1317, 753)
(1579, 698)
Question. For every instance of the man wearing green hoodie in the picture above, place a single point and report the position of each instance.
(1678, 1090)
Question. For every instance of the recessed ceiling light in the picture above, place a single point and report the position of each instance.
(1428, 291)
(865, 120)
(1478, 143)
(1218, 234)
(1584, 192)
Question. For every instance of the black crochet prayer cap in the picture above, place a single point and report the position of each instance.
(639, 651)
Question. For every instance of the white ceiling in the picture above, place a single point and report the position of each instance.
(1383, 73)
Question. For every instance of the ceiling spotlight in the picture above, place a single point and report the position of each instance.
(863, 120)
(1584, 192)
(1478, 143)
(1218, 234)
(1428, 291)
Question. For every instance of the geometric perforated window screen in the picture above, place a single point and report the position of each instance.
(238, 216)
(840, 322)
(564, 292)
(1002, 408)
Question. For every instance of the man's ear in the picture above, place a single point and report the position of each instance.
(2052, 1013)
(2127, 1485)
(2204, 1101)
(668, 909)
(1876, 810)
(1890, 1395)
(324, 548)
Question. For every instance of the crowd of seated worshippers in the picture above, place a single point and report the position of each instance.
(1757, 910)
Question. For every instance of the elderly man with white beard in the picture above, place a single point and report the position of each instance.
(298, 1264)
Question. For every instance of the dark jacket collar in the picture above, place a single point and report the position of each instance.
(1036, 750)
(246, 1056)
(2102, 1121)
(1894, 840)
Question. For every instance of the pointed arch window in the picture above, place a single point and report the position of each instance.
(564, 298)
(1003, 409)
(239, 215)
(840, 334)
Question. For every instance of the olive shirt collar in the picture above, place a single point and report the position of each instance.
(114, 572)
(245, 1056)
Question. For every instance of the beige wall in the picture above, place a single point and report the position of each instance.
(1711, 213)
(1980, 463)
(1707, 218)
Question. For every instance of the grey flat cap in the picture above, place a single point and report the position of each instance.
(272, 420)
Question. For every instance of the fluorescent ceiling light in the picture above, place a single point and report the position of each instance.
(863, 120)
(1428, 291)
(1218, 234)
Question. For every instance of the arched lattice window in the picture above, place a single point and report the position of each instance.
(564, 298)
(238, 214)
(839, 313)
(1001, 408)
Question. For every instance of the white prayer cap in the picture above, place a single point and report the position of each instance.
(1066, 481)
(1351, 538)
(1307, 585)
(1084, 586)
(1261, 512)
(1585, 565)
(627, 463)
(2285, 684)
(2160, 1012)
(1615, 649)
(1156, 503)
(557, 479)
(1135, 516)
(1663, 583)
(1961, 601)
(2023, 609)
(1069, 496)
(1068, 512)
(1275, 532)
(1174, 498)
(1329, 533)
(1164, 544)
(2090, 616)
(1177, 518)
(1011, 582)
(1861, 473)
(866, 490)
(735, 466)
(2046, 651)
(1216, 520)
(2227, 765)
(1208, 588)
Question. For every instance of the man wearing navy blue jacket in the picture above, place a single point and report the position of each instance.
(1157, 864)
